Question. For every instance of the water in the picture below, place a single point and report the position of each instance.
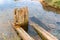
(49, 20)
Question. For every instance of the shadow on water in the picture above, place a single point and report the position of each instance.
(34, 19)
(58, 23)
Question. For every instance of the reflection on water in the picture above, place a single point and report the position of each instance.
(47, 19)
(39, 23)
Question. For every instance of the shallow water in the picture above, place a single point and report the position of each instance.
(49, 20)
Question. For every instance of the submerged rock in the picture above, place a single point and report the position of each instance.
(58, 23)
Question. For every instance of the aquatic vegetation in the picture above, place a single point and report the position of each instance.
(55, 3)
(48, 0)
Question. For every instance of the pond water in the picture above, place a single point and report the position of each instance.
(49, 20)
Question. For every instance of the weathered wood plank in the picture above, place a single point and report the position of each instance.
(42, 33)
(21, 17)
(22, 33)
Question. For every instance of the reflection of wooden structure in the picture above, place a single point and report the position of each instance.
(21, 17)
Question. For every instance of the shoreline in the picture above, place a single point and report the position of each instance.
(48, 7)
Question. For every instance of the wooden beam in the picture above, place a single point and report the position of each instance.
(42, 32)
(22, 33)
(21, 17)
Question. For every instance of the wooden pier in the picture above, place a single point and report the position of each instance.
(21, 26)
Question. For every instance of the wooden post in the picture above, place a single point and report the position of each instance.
(21, 17)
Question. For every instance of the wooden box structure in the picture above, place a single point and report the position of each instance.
(21, 17)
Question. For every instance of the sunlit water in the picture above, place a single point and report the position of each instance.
(49, 20)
